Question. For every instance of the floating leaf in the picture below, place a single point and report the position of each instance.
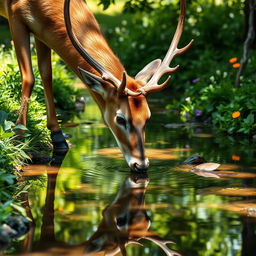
(206, 174)
(206, 167)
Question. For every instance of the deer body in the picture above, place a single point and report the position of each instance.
(45, 20)
(71, 30)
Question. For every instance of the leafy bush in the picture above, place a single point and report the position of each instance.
(201, 92)
(215, 99)
(11, 157)
(10, 95)
(148, 35)
(36, 136)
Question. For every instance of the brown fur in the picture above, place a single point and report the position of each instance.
(45, 19)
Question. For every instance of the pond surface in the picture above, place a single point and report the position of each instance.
(90, 203)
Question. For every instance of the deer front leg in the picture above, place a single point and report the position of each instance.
(21, 40)
(45, 69)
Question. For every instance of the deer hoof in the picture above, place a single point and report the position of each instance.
(58, 141)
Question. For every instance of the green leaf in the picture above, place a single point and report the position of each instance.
(9, 179)
(20, 127)
(7, 135)
(249, 119)
(10, 66)
(19, 209)
(8, 125)
(24, 155)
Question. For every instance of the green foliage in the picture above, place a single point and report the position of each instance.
(138, 5)
(12, 156)
(106, 3)
(10, 95)
(213, 98)
(35, 136)
(64, 93)
(244, 102)
(149, 34)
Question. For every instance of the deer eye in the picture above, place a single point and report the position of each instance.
(121, 121)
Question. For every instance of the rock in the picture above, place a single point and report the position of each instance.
(10, 232)
(4, 239)
(195, 159)
(14, 226)
(18, 224)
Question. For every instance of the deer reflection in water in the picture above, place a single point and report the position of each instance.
(124, 221)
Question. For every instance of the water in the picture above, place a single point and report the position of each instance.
(91, 202)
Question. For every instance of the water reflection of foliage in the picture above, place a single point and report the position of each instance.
(175, 200)
(180, 214)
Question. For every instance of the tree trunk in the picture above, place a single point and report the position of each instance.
(250, 22)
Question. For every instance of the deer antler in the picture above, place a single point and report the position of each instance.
(105, 74)
(153, 72)
(162, 244)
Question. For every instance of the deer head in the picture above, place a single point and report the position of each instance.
(123, 100)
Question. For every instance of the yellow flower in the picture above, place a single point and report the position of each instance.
(236, 114)
(236, 65)
(233, 60)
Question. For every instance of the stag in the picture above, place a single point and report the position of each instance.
(78, 40)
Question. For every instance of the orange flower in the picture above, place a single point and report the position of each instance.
(233, 60)
(236, 65)
(236, 114)
(236, 158)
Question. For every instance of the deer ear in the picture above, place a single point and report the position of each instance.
(148, 71)
(95, 83)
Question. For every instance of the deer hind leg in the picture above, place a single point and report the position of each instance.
(45, 69)
(21, 40)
